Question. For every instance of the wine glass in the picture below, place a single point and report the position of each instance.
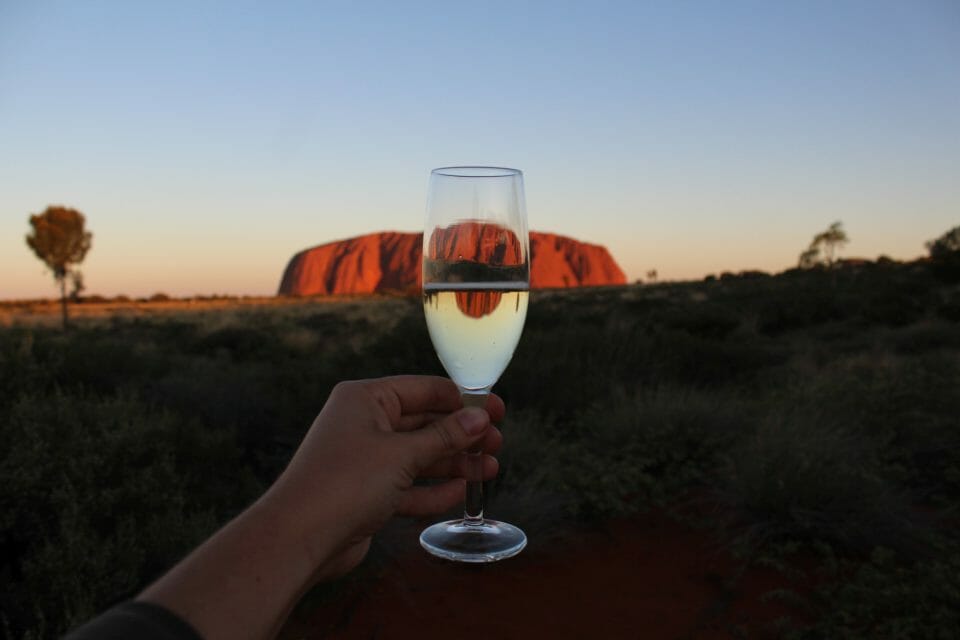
(476, 282)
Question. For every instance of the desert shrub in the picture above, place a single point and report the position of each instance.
(99, 495)
(330, 323)
(220, 396)
(405, 348)
(528, 489)
(560, 368)
(798, 308)
(873, 294)
(889, 598)
(906, 407)
(949, 307)
(833, 341)
(653, 445)
(102, 362)
(564, 363)
(704, 320)
(172, 335)
(622, 454)
(20, 368)
(95, 358)
(236, 342)
(642, 307)
(686, 359)
(892, 307)
(923, 338)
(805, 476)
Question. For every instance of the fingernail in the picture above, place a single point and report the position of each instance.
(473, 420)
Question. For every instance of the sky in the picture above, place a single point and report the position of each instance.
(206, 143)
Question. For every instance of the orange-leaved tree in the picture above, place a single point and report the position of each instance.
(61, 241)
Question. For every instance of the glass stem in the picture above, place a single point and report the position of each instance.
(473, 504)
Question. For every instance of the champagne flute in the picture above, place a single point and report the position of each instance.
(476, 282)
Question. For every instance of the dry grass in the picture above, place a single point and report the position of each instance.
(46, 312)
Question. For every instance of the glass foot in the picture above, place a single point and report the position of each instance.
(487, 541)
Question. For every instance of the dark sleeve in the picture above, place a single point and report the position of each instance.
(140, 620)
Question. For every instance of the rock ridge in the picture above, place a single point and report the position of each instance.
(390, 261)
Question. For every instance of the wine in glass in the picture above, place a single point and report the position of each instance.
(476, 281)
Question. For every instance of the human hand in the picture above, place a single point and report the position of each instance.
(353, 471)
(356, 466)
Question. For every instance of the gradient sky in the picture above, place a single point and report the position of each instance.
(208, 142)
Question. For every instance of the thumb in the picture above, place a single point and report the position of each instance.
(446, 437)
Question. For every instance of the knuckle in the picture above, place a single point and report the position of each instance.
(344, 388)
(447, 443)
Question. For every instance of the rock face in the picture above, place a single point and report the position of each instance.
(390, 261)
(558, 261)
(376, 262)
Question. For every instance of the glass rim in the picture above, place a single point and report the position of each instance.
(479, 171)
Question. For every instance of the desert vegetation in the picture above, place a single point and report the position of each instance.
(824, 246)
(808, 419)
(59, 238)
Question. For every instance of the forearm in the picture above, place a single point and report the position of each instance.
(243, 581)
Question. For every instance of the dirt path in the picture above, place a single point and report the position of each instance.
(645, 578)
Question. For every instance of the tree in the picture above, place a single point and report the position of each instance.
(824, 246)
(946, 244)
(945, 255)
(60, 240)
(810, 258)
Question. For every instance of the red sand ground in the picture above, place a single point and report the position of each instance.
(646, 578)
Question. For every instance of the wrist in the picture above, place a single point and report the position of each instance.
(243, 580)
(309, 527)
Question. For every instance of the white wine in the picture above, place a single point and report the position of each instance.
(475, 326)
(476, 281)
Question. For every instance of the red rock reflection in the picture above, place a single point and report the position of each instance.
(476, 242)
(477, 304)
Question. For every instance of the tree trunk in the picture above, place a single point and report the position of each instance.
(63, 300)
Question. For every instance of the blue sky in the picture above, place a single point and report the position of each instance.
(208, 142)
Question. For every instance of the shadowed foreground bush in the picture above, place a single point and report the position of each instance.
(806, 477)
(885, 598)
(98, 495)
(618, 457)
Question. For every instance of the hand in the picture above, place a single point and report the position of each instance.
(354, 470)
(357, 465)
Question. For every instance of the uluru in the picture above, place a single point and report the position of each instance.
(390, 261)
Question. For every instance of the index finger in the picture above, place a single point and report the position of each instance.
(421, 394)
